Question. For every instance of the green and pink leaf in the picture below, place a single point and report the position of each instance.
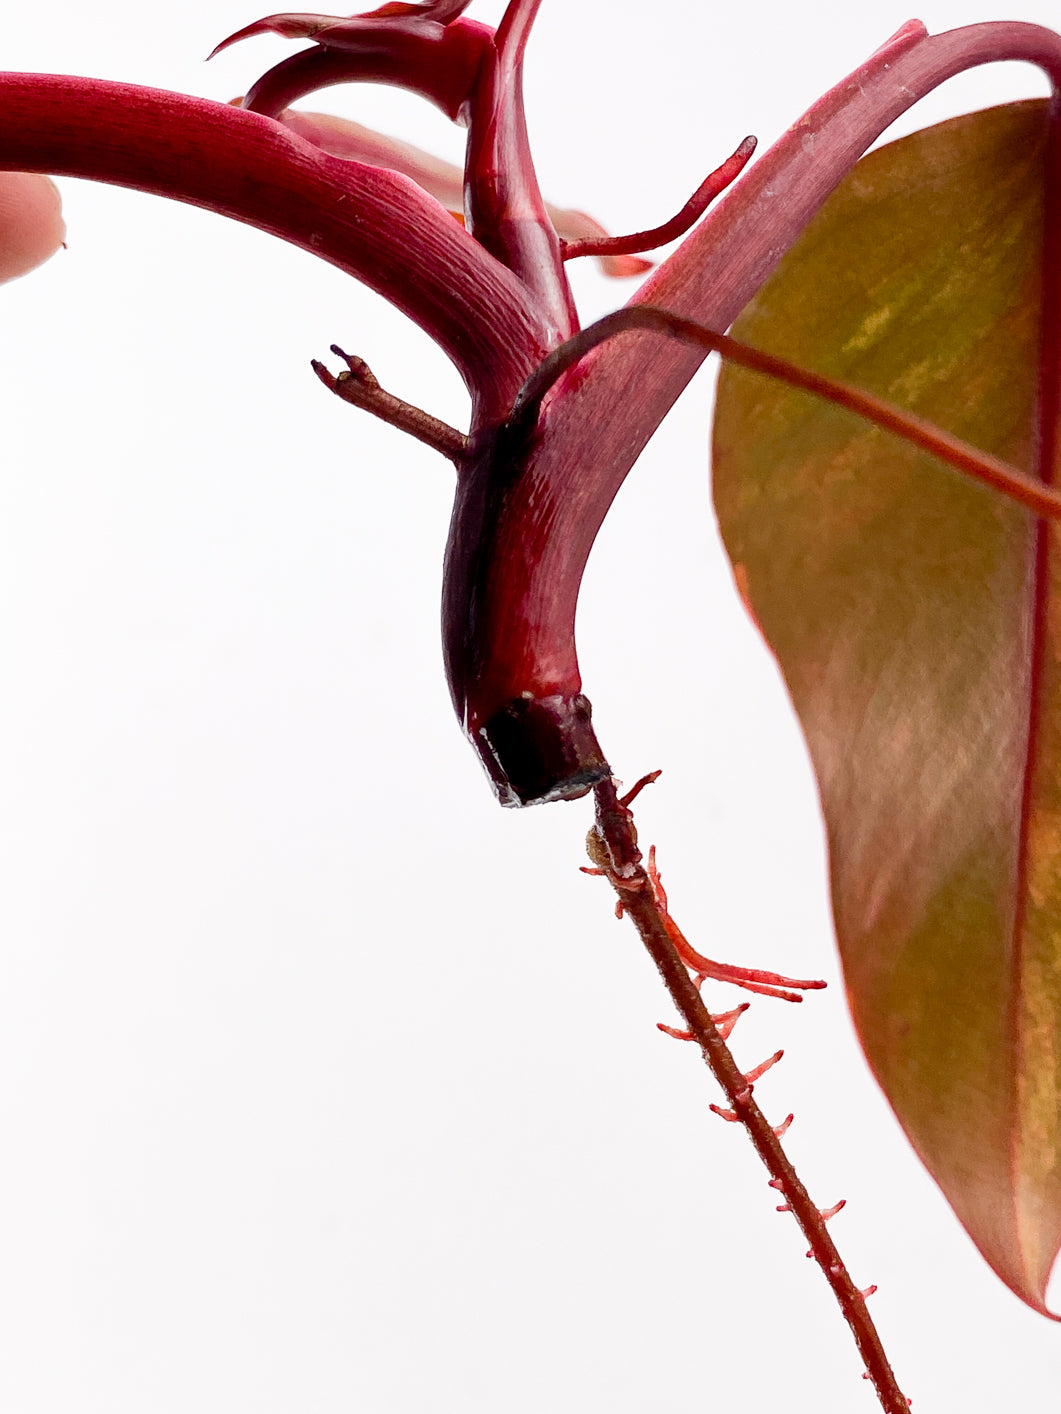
(917, 620)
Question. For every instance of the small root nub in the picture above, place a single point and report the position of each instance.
(730, 1116)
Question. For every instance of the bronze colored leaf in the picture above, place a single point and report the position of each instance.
(917, 621)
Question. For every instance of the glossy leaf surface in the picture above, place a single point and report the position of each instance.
(917, 620)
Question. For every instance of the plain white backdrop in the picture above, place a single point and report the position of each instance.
(326, 1085)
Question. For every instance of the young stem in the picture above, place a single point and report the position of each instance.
(616, 830)
(677, 226)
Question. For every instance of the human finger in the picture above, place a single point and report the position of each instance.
(31, 222)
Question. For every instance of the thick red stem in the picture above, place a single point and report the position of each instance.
(370, 222)
(511, 592)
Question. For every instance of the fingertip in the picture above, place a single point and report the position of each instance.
(31, 222)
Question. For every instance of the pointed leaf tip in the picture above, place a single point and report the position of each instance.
(917, 621)
(288, 25)
(295, 25)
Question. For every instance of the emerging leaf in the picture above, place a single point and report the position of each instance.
(442, 180)
(917, 620)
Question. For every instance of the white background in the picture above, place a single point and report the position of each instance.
(325, 1084)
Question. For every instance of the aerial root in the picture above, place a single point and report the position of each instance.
(758, 1071)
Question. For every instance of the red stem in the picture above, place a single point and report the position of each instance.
(687, 217)
(472, 74)
(535, 521)
(438, 64)
(504, 207)
(370, 222)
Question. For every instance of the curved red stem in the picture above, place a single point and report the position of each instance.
(503, 203)
(516, 563)
(687, 217)
(368, 221)
(438, 64)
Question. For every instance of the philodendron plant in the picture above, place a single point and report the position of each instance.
(884, 448)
